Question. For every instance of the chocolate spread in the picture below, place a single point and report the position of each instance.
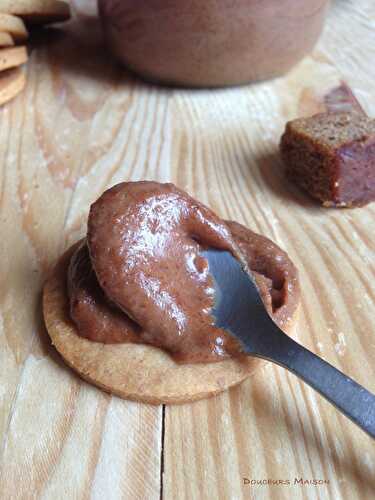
(140, 276)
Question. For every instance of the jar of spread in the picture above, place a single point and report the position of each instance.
(211, 42)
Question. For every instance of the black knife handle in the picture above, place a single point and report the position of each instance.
(353, 400)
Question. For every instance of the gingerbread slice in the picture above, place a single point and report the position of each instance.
(14, 26)
(332, 157)
(12, 57)
(37, 11)
(12, 82)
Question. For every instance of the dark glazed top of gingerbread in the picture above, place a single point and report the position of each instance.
(144, 242)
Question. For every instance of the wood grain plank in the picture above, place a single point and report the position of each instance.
(83, 125)
(272, 426)
(62, 438)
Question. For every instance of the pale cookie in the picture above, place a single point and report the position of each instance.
(12, 82)
(6, 40)
(130, 371)
(37, 11)
(10, 58)
(14, 26)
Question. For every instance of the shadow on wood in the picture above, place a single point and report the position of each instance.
(272, 171)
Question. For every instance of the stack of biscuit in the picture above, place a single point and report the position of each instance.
(15, 18)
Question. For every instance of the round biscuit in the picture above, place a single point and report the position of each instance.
(6, 40)
(37, 11)
(136, 372)
(12, 57)
(14, 26)
(12, 82)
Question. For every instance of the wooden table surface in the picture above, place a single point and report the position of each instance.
(83, 125)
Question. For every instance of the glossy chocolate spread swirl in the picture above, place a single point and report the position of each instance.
(140, 276)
